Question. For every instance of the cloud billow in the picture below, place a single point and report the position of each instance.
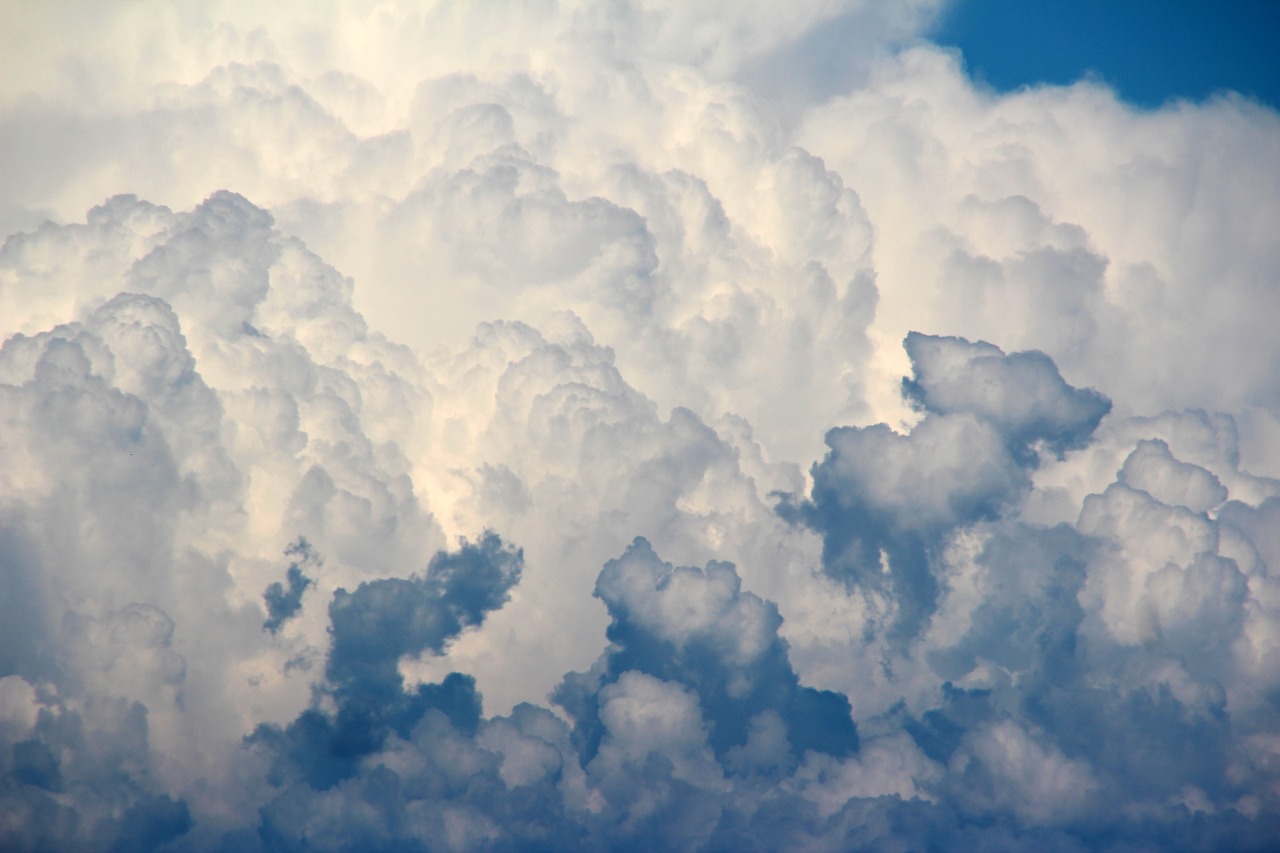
(696, 628)
(374, 627)
(282, 605)
(672, 720)
(1021, 394)
(886, 502)
(361, 285)
(692, 731)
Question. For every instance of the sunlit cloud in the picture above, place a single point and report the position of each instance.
(626, 426)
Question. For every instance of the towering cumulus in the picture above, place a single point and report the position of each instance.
(626, 426)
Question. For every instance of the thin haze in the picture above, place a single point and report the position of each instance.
(631, 425)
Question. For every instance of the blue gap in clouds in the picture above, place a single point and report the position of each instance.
(1147, 50)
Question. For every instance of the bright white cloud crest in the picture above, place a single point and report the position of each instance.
(361, 360)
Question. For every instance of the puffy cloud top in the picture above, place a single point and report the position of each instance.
(697, 628)
(550, 290)
(1021, 394)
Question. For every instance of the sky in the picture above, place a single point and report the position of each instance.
(1148, 51)
(837, 425)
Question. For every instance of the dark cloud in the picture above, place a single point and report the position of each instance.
(372, 629)
(884, 501)
(696, 628)
(386, 619)
(80, 781)
(281, 604)
(694, 692)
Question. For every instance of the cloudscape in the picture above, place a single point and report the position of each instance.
(628, 425)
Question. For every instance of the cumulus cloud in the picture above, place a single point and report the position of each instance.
(372, 628)
(1022, 395)
(282, 605)
(293, 299)
(698, 629)
(885, 503)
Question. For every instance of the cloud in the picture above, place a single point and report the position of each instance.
(885, 503)
(675, 717)
(293, 299)
(386, 619)
(281, 605)
(372, 629)
(1061, 219)
(1021, 394)
(698, 629)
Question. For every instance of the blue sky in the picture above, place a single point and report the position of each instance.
(1148, 50)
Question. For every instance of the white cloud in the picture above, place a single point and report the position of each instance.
(330, 286)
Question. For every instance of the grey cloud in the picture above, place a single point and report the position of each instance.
(282, 605)
(884, 502)
(385, 619)
(1021, 394)
(1152, 468)
(688, 734)
(80, 780)
(1003, 649)
(139, 501)
(374, 627)
(673, 713)
(695, 627)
